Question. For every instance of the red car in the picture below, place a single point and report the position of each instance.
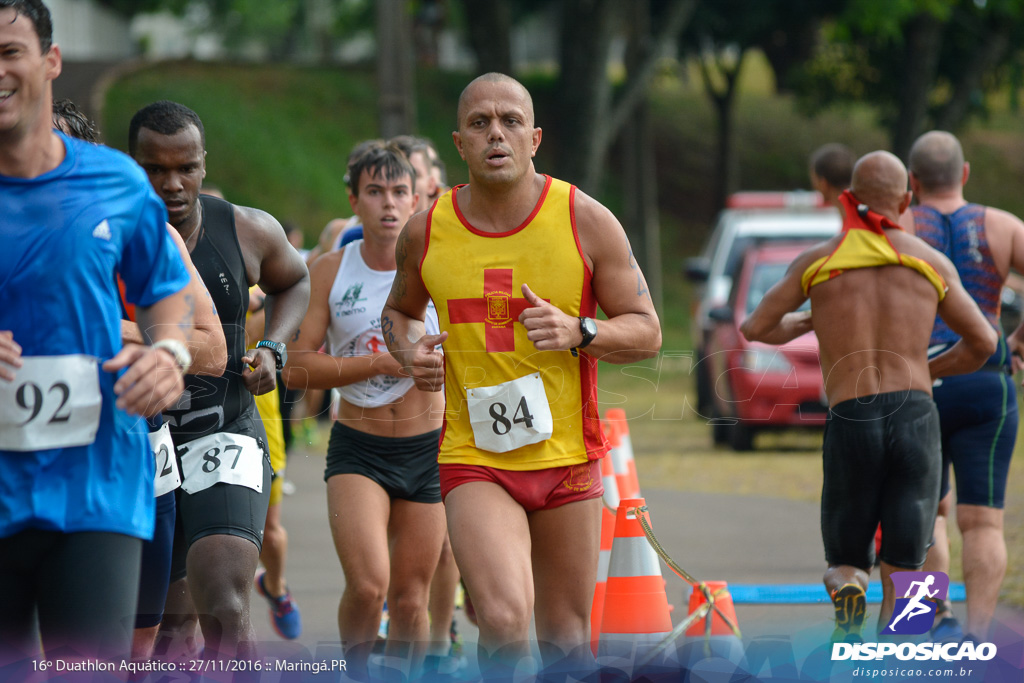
(754, 386)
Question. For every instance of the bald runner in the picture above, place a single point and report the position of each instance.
(875, 291)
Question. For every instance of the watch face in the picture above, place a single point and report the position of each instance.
(588, 328)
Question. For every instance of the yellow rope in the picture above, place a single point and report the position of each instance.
(649, 533)
(702, 612)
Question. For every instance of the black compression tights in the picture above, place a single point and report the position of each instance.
(82, 587)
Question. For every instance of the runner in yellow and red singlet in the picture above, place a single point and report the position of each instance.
(516, 263)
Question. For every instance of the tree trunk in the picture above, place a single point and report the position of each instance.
(490, 34)
(987, 54)
(921, 57)
(584, 92)
(589, 121)
(290, 47)
(725, 169)
(787, 50)
(396, 100)
(639, 176)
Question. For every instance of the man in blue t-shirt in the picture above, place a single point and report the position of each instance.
(76, 470)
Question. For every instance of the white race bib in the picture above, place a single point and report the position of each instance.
(222, 459)
(53, 402)
(167, 476)
(510, 415)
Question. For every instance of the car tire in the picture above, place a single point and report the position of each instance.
(741, 437)
(720, 432)
(705, 406)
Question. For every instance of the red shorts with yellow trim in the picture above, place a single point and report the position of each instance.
(533, 489)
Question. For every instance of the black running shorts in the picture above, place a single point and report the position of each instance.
(882, 463)
(405, 467)
(223, 508)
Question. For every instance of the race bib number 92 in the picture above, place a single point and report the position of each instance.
(53, 402)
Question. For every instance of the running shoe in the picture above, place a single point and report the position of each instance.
(381, 640)
(456, 647)
(947, 628)
(284, 613)
(851, 607)
(468, 606)
(382, 630)
(947, 631)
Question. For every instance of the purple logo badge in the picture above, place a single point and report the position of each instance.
(915, 610)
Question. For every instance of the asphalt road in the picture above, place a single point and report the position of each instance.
(738, 539)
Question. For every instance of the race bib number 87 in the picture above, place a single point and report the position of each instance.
(510, 415)
(221, 459)
(53, 402)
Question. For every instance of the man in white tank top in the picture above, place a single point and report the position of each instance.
(383, 489)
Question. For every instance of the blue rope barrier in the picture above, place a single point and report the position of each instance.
(809, 593)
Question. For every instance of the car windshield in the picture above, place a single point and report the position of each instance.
(763, 278)
(743, 244)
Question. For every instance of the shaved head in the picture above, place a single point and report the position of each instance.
(880, 181)
(493, 77)
(937, 161)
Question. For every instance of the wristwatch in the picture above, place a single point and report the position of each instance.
(178, 351)
(588, 328)
(278, 348)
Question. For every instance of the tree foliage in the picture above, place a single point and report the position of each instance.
(719, 38)
(922, 63)
(131, 7)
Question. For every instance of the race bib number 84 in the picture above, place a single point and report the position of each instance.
(510, 415)
(221, 459)
(53, 402)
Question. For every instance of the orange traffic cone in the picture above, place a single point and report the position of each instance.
(723, 601)
(629, 484)
(636, 612)
(611, 500)
(612, 494)
(710, 635)
(618, 458)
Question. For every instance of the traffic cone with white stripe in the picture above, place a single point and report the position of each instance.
(611, 502)
(636, 613)
(619, 463)
(625, 465)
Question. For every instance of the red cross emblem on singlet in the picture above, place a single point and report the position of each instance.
(497, 309)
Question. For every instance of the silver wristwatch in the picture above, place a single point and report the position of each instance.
(178, 350)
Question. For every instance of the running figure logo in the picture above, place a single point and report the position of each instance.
(915, 611)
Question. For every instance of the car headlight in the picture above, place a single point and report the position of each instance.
(766, 360)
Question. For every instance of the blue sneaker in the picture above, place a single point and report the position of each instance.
(946, 628)
(284, 613)
(947, 631)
